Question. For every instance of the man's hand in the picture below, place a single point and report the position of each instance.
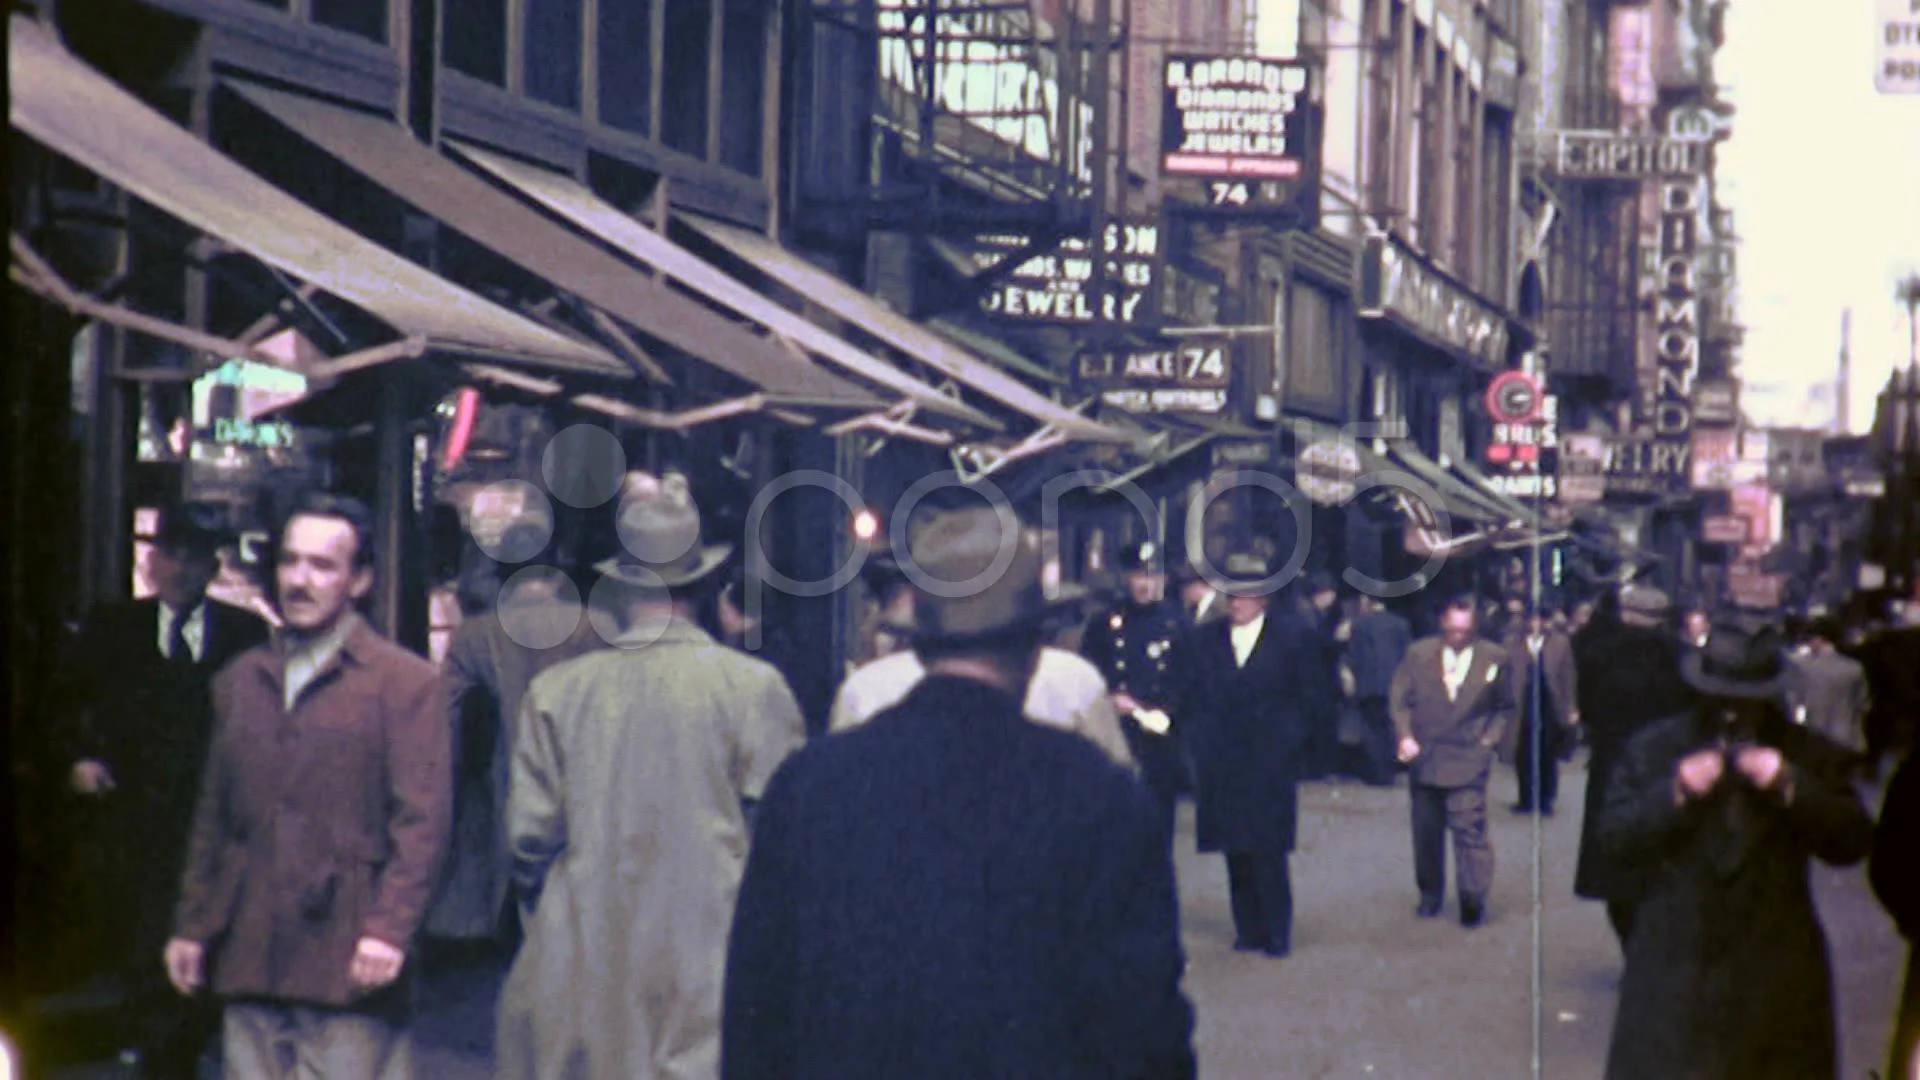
(1573, 717)
(91, 777)
(375, 963)
(1699, 772)
(185, 962)
(1763, 767)
(1124, 703)
(1409, 749)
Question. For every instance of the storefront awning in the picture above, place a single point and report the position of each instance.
(994, 350)
(1461, 500)
(1516, 510)
(904, 334)
(74, 110)
(385, 153)
(578, 204)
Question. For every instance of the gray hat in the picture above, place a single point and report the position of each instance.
(978, 575)
(1244, 572)
(1645, 600)
(659, 529)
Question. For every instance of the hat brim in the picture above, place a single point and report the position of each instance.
(632, 573)
(1693, 672)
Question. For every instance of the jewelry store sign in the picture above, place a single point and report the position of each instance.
(1057, 287)
(1394, 284)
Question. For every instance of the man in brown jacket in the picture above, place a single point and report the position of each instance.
(321, 824)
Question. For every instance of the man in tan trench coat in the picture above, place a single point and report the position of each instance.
(632, 772)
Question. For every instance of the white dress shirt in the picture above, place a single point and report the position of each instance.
(1535, 642)
(1454, 668)
(1245, 638)
(195, 631)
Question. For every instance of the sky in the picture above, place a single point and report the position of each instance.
(1822, 173)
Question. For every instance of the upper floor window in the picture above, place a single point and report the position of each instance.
(551, 57)
(364, 18)
(473, 35)
(686, 62)
(624, 51)
(743, 56)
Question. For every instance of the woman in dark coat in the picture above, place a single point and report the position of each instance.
(1722, 808)
(1895, 873)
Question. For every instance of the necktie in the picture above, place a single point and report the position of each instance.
(177, 650)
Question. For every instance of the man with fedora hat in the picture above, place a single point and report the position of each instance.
(1249, 677)
(1135, 644)
(142, 738)
(950, 891)
(1725, 806)
(1628, 668)
(634, 770)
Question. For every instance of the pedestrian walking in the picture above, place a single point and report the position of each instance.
(951, 892)
(1247, 680)
(1829, 690)
(1135, 644)
(1895, 874)
(1066, 691)
(1452, 701)
(1725, 805)
(1378, 643)
(634, 769)
(1629, 678)
(320, 827)
(1546, 703)
(141, 739)
(1200, 602)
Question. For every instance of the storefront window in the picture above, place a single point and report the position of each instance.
(624, 51)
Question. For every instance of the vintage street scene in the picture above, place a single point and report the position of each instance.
(962, 540)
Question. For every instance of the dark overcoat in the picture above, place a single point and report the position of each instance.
(1895, 874)
(1629, 678)
(1561, 689)
(149, 720)
(1727, 975)
(1247, 728)
(320, 825)
(1379, 641)
(952, 892)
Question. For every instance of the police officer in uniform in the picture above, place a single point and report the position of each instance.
(1135, 643)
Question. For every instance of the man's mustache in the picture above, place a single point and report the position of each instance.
(296, 596)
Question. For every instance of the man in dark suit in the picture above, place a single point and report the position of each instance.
(1249, 679)
(1379, 642)
(1544, 691)
(140, 680)
(950, 891)
(1452, 701)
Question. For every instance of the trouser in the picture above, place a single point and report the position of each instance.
(1376, 741)
(1461, 811)
(1620, 914)
(1539, 750)
(1261, 889)
(277, 1041)
(168, 1030)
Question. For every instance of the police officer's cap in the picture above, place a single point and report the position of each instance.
(1144, 555)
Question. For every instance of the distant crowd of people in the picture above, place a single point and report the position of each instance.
(693, 860)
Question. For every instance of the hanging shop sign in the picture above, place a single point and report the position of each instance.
(1523, 454)
(1057, 287)
(1583, 469)
(1896, 67)
(1515, 397)
(1637, 465)
(1396, 285)
(1194, 376)
(1612, 155)
(1675, 344)
(1503, 74)
(1725, 529)
(1716, 453)
(1234, 117)
(1325, 471)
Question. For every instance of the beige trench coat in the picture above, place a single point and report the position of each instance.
(628, 836)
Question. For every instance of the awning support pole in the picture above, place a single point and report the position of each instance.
(680, 421)
(407, 348)
(634, 352)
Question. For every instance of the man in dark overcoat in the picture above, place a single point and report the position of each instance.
(1895, 874)
(1452, 702)
(1629, 677)
(1249, 679)
(950, 891)
(140, 679)
(1725, 806)
(320, 827)
(1546, 705)
(1135, 643)
(1379, 642)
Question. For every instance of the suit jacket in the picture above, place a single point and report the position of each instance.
(149, 720)
(1562, 684)
(1246, 728)
(1379, 642)
(320, 825)
(1833, 690)
(1457, 737)
(950, 892)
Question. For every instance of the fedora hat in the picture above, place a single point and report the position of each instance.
(1645, 600)
(1244, 572)
(659, 529)
(192, 527)
(980, 576)
(1744, 658)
